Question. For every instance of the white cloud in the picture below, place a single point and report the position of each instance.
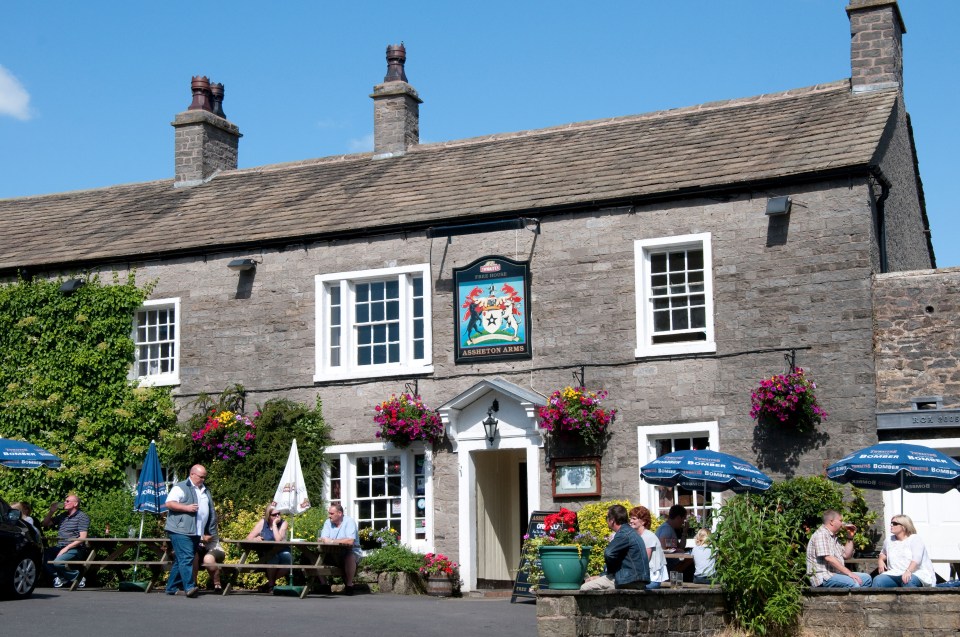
(361, 145)
(14, 99)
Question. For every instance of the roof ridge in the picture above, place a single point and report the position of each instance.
(671, 112)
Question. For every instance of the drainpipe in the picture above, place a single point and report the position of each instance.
(881, 228)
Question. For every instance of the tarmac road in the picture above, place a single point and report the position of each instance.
(110, 613)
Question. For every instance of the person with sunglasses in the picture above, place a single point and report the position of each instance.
(271, 528)
(904, 560)
(190, 516)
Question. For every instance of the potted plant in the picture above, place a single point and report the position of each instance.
(787, 400)
(405, 419)
(576, 412)
(560, 555)
(371, 538)
(440, 573)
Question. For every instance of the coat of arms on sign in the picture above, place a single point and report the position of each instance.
(492, 317)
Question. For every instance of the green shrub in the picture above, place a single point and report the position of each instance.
(803, 500)
(395, 558)
(64, 386)
(252, 481)
(757, 566)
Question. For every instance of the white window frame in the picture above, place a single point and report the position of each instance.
(348, 454)
(647, 452)
(349, 368)
(643, 249)
(168, 378)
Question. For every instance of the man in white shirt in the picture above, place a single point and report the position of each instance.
(189, 517)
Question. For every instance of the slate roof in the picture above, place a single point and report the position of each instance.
(746, 141)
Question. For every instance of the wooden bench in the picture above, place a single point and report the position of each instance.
(312, 556)
(116, 548)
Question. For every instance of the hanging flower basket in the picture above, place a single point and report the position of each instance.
(405, 419)
(226, 435)
(575, 412)
(787, 400)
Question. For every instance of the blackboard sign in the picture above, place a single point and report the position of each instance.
(535, 529)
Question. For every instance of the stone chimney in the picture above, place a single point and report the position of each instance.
(396, 109)
(204, 141)
(876, 47)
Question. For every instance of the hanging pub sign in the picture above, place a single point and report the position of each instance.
(492, 313)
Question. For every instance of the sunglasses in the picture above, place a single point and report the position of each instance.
(895, 524)
(274, 515)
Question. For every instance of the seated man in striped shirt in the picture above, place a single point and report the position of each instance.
(72, 526)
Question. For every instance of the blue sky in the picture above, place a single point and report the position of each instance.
(88, 89)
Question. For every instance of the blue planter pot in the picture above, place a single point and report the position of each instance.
(564, 566)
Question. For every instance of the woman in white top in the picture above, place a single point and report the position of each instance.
(703, 561)
(904, 560)
(639, 520)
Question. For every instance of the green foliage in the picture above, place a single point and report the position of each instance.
(802, 502)
(64, 386)
(804, 499)
(251, 482)
(859, 514)
(393, 558)
(757, 566)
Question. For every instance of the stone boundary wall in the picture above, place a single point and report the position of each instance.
(695, 612)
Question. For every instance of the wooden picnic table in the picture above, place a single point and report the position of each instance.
(110, 553)
(308, 559)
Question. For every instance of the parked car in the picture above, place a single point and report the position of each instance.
(21, 554)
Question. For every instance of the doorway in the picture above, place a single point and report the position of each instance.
(501, 484)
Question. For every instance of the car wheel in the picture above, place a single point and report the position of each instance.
(22, 579)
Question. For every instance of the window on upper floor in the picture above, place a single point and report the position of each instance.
(156, 335)
(373, 323)
(674, 281)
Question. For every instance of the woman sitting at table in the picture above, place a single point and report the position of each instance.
(904, 560)
(639, 520)
(703, 561)
(272, 528)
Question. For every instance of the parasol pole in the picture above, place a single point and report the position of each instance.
(901, 491)
(136, 559)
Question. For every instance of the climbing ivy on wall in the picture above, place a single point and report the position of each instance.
(64, 385)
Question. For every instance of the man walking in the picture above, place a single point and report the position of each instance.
(189, 516)
(72, 526)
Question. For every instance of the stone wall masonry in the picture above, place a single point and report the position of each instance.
(876, 43)
(917, 342)
(700, 612)
(793, 283)
(906, 237)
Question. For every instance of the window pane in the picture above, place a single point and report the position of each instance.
(363, 487)
(363, 292)
(658, 263)
(376, 291)
(418, 286)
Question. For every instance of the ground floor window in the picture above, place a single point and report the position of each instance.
(655, 441)
(383, 488)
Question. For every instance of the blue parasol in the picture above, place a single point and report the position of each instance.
(705, 469)
(151, 493)
(16, 454)
(150, 497)
(888, 466)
